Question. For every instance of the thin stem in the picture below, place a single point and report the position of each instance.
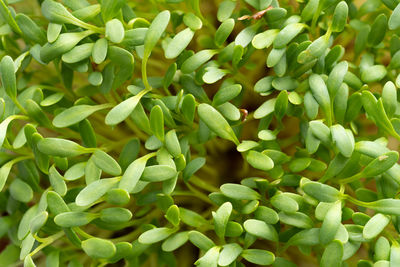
(144, 73)
(48, 241)
(356, 201)
(351, 179)
(315, 19)
(200, 183)
(82, 233)
(20, 107)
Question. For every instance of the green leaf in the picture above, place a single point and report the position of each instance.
(76, 114)
(157, 122)
(35, 112)
(308, 237)
(394, 20)
(284, 202)
(7, 74)
(265, 109)
(4, 126)
(261, 229)
(172, 215)
(117, 196)
(258, 256)
(124, 62)
(216, 122)
(264, 85)
(78, 53)
(53, 31)
(57, 181)
(246, 145)
(92, 172)
(191, 218)
(378, 30)
(332, 256)
(225, 10)
(200, 240)
(98, 248)
(155, 235)
(198, 59)
(381, 164)
(240, 192)
(375, 226)
(158, 173)
(106, 162)
(61, 147)
(188, 107)
(75, 172)
(382, 249)
(259, 160)
(373, 73)
(266, 214)
(172, 143)
(223, 31)
(340, 17)
(210, 258)
(389, 98)
(99, 51)
(74, 218)
(394, 254)
(55, 203)
(28, 262)
(64, 43)
(20, 191)
(115, 31)
(264, 39)
(111, 8)
(221, 217)
(284, 83)
(87, 133)
(120, 112)
(311, 105)
(179, 43)
(244, 37)
(192, 21)
(343, 139)
(226, 94)
(57, 13)
(259, 4)
(281, 104)
(275, 56)
(316, 49)
(321, 192)
(52, 99)
(321, 94)
(8, 16)
(30, 29)
(133, 173)
(175, 241)
(94, 191)
(115, 215)
(156, 29)
(296, 219)
(340, 103)
(229, 254)
(320, 131)
(192, 167)
(233, 229)
(336, 77)
(331, 223)
(287, 34)
(386, 206)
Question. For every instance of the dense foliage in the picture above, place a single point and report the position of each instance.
(214, 133)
